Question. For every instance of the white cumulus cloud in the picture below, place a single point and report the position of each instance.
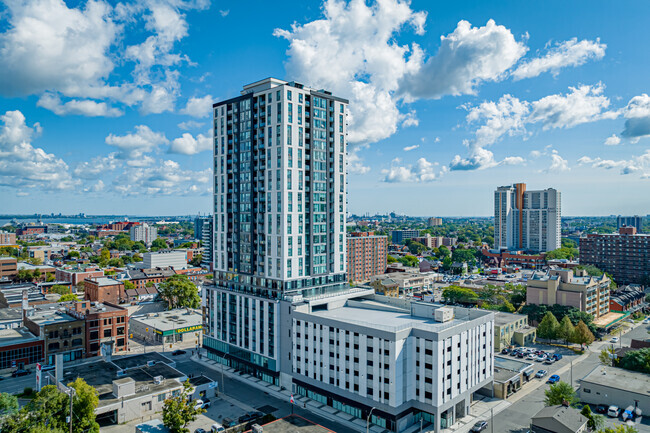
(409, 148)
(637, 113)
(613, 140)
(134, 145)
(199, 106)
(82, 107)
(564, 54)
(422, 171)
(187, 144)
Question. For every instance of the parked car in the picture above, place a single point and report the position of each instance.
(206, 403)
(549, 360)
(553, 379)
(514, 352)
(200, 430)
(541, 358)
(557, 356)
(20, 372)
(198, 404)
(602, 408)
(479, 426)
(541, 373)
(614, 340)
(520, 355)
(613, 412)
(217, 428)
(47, 367)
(227, 422)
(531, 356)
(178, 352)
(505, 351)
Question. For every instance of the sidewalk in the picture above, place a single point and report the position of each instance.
(316, 407)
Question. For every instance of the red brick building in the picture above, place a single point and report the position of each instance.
(625, 299)
(515, 258)
(140, 277)
(105, 323)
(366, 255)
(77, 274)
(104, 289)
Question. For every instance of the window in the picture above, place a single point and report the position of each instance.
(108, 332)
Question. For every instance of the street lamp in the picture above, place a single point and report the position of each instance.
(368, 419)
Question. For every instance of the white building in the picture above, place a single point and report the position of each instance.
(280, 257)
(402, 359)
(176, 259)
(143, 232)
(527, 220)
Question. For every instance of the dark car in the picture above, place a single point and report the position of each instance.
(520, 355)
(602, 408)
(479, 426)
(200, 430)
(557, 356)
(227, 422)
(178, 352)
(505, 351)
(20, 372)
(245, 418)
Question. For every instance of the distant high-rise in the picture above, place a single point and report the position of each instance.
(635, 221)
(203, 233)
(279, 216)
(527, 220)
(143, 232)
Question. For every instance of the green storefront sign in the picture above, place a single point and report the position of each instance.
(179, 330)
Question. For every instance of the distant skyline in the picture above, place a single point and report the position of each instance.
(106, 108)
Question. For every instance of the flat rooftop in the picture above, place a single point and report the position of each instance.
(617, 378)
(101, 374)
(12, 336)
(170, 320)
(501, 318)
(511, 364)
(126, 362)
(105, 281)
(294, 424)
(371, 315)
(609, 319)
(46, 314)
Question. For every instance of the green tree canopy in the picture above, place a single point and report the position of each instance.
(68, 297)
(548, 327)
(391, 259)
(565, 330)
(8, 404)
(60, 289)
(178, 291)
(410, 261)
(455, 294)
(84, 403)
(594, 421)
(463, 255)
(128, 285)
(178, 412)
(558, 393)
(159, 243)
(636, 360)
(619, 429)
(196, 260)
(562, 253)
(582, 335)
(73, 254)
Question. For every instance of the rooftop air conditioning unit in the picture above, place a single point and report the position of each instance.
(256, 428)
(157, 380)
(151, 363)
(121, 373)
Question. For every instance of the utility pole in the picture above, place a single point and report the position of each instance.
(368, 420)
(71, 391)
(571, 372)
(492, 419)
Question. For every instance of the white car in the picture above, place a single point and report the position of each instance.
(198, 404)
(541, 358)
(531, 356)
(613, 411)
(614, 340)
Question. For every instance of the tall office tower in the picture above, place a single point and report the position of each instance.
(203, 233)
(279, 216)
(635, 221)
(527, 220)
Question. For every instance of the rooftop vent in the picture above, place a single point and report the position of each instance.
(157, 380)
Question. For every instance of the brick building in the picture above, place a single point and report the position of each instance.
(502, 259)
(366, 254)
(626, 299)
(8, 268)
(77, 274)
(105, 323)
(7, 238)
(104, 289)
(61, 333)
(140, 277)
(625, 255)
(19, 348)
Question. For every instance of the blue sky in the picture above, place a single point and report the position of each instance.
(104, 107)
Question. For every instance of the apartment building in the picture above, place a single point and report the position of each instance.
(400, 236)
(366, 255)
(61, 333)
(203, 232)
(8, 268)
(175, 259)
(280, 201)
(527, 220)
(105, 323)
(570, 288)
(7, 238)
(143, 232)
(635, 221)
(512, 329)
(434, 221)
(408, 361)
(77, 274)
(624, 255)
(104, 289)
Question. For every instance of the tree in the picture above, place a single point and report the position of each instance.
(68, 297)
(619, 429)
(636, 360)
(582, 335)
(196, 260)
(565, 330)
(74, 254)
(49, 277)
(463, 255)
(558, 393)
(104, 255)
(37, 274)
(59, 289)
(8, 404)
(416, 248)
(391, 259)
(594, 421)
(455, 294)
(606, 356)
(178, 412)
(84, 404)
(443, 252)
(178, 291)
(128, 285)
(410, 261)
(159, 243)
(548, 327)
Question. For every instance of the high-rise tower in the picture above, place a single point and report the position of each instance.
(527, 220)
(279, 215)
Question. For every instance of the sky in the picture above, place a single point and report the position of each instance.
(105, 106)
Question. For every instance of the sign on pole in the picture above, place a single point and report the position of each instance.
(39, 380)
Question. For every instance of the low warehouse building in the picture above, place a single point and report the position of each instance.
(615, 386)
(168, 327)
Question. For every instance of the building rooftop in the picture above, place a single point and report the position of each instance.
(30, 267)
(617, 378)
(567, 419)
(127, 362)
(47, 314)
(372, 315)
(170, 320)
(10, 314)
(511, 364)
(11, 336)
(105, 281)
(501, 318)
(294, 424)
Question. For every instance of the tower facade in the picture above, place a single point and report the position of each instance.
(279, 216)
(527, 220)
